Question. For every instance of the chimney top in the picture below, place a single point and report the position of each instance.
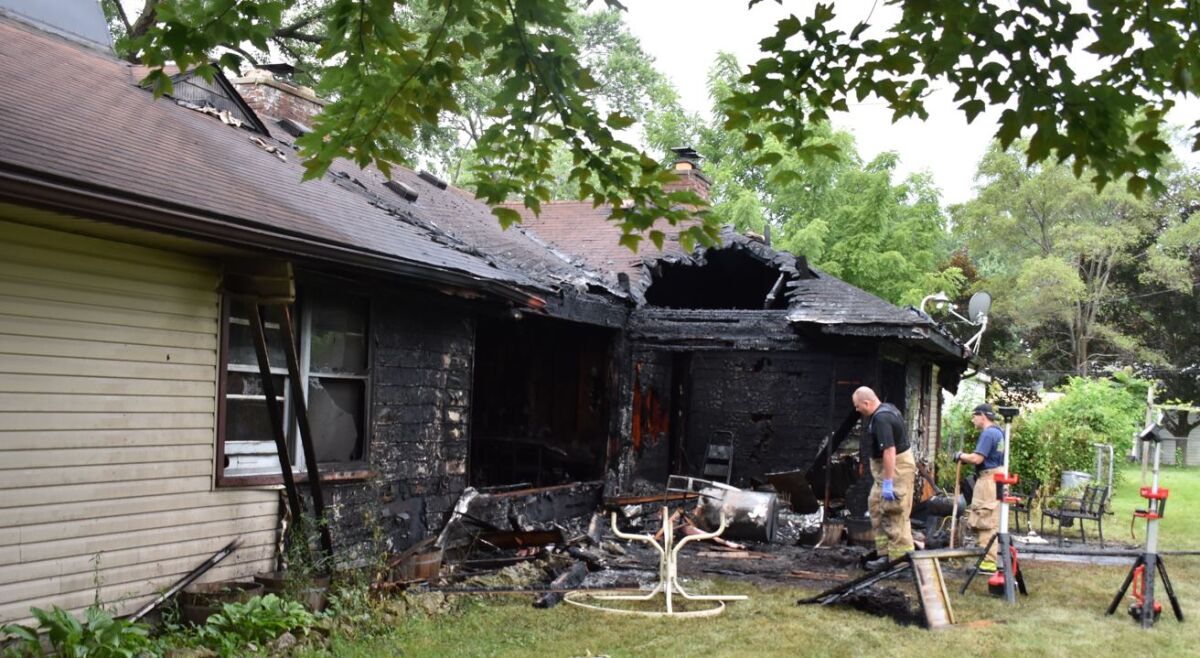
(686, 157)
(687, 168)
(282, 71)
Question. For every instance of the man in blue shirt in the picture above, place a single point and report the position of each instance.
(983, 516)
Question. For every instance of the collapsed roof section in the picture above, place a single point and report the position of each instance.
(733, 276)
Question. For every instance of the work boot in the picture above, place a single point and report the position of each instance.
(878, 563)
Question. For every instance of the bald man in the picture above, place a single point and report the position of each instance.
(893, 469)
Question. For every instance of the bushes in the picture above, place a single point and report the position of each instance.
(99, 635)
(231, 632)
(1059, 436)
(255, 622)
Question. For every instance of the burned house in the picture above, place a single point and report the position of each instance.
(743, 346)
(142, 237)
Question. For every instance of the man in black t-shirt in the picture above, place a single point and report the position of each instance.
(894, 470)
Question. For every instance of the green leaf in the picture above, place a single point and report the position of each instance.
(972, 108)
(768, 159)
(1136, 186)
(507, 216)
(618, 121)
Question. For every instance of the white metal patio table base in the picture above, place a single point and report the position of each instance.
(668, 584)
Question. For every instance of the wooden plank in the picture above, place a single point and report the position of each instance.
(59, 347)
(94, 544)
(30, 459)
(49, 384)
(52, 365)
(931, 588)
(126, 523)
(133, 555)
(10, 420)
(38, 291)
(52, 403)
(64, 512)
(97, 438)
(59, 241)
(18, 498)
(154, 284)
(74, 330)
(54, 477)
(117, 317)
(126, 597)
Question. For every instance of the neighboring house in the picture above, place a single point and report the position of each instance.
(436, 350)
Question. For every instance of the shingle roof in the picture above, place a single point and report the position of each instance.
(67, 112)
(814, 297)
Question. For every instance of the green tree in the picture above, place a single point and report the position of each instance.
(391, 81)
(1056, 244)
(848, 217)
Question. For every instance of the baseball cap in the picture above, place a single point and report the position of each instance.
(986, 410)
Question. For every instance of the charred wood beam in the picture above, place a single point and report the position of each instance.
(587, 309)
(835, 439)
(567, 580)
(306, 438)
(268, 386)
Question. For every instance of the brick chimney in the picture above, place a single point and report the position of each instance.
(276, 97)
(687, 167)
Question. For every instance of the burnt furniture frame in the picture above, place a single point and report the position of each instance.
(1088, 507)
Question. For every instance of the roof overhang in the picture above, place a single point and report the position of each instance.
(36, 189)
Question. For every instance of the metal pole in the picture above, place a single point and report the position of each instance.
(1005, 540)
(1151, 561)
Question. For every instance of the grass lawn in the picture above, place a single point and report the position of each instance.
(1063, 616)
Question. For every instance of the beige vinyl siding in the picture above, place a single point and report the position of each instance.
(108, 371)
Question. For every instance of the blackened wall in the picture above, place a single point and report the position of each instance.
(776, 404)
(652, 415)
(422, 352)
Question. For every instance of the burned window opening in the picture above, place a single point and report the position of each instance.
(728, 279)
(541, 397)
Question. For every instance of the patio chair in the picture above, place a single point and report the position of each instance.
(1026, 494)
(1088, 507)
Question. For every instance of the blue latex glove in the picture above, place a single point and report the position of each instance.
(889, 493)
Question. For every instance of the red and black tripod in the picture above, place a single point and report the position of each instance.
(1145, 609)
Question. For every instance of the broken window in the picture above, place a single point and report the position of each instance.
(333, 365)
(729, 278)
(540, 401)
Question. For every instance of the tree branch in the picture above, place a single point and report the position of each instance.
(121, 13)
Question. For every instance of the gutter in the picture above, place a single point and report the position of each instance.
(48, 192)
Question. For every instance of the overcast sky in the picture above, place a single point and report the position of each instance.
(684, 37)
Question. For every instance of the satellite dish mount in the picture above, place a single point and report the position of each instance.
(977, 313)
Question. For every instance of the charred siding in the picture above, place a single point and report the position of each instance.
(422, 358)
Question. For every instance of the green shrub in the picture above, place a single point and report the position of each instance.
(99, 635)
(1059, 436)
(257, 621)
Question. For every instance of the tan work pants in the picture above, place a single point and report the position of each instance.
(890, 519)
(983, 516)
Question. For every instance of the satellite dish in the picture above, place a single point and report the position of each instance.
(978, 307)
